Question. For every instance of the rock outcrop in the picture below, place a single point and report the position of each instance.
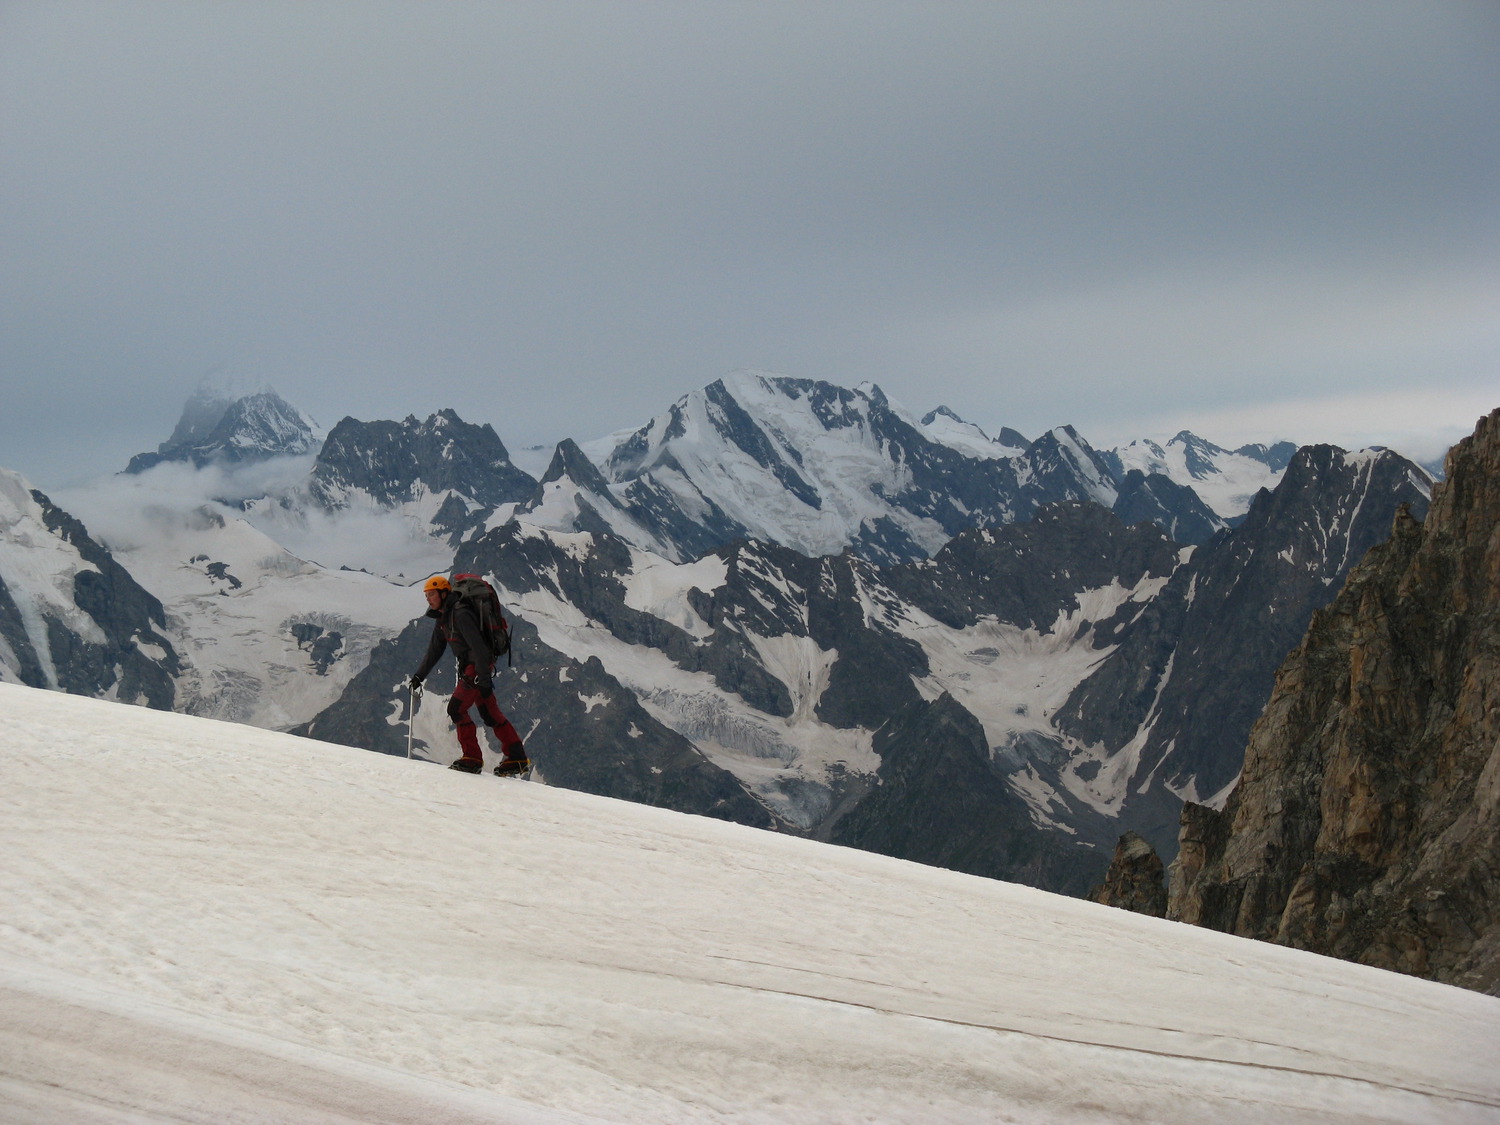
(1366, 823)
(1136, 879)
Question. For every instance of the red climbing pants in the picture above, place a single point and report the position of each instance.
(466, 695)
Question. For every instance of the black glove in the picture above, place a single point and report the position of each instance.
(415, 684)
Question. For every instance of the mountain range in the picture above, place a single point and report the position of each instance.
(781, 602)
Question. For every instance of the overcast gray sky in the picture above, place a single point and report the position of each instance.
(1254, 219)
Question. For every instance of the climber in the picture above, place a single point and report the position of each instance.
(477, 633)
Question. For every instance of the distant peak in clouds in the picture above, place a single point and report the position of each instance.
(217, 428)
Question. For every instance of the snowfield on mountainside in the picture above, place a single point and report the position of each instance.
(207, 922)
(1226, 480)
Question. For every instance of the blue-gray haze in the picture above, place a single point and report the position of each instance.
(1257, 219)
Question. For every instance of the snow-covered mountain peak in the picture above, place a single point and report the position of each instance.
(944, 412)
(1198, 455)
(758, 412)
(795, 461)
(945, 427)
(822, 469)
(254, 427)
(1226, 480)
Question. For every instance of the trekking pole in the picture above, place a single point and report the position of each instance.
(412, 695)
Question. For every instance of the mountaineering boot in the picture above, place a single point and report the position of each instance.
(469, 765)
(514, 767)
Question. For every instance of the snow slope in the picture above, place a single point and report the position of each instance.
(207, 922)
(41, 568)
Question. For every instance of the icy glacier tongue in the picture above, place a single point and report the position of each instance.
(207, 922)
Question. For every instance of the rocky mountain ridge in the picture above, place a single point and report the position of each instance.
(810, 465)
(387, 464)
(71, 618)
(1189, 678)
(1366, 824)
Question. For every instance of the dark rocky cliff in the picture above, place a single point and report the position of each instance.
(392, 462)
(1366, 823)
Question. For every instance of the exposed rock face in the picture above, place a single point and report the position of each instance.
(940, 800)
(1366, 824)
(1175, 507)
(392, 463)
(1136, 879)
